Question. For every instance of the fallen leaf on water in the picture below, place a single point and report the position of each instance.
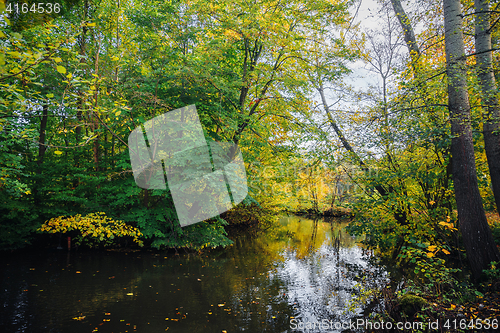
(79, 318)
(219, 305)
(130, 294)
(78, 272)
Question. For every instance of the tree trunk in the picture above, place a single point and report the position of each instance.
(41, 153)
(410, 39)
(477, 237)
(81, 98)
(41, 140)
(491, 116)
(399, 214)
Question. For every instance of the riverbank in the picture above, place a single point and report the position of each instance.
(471, 308)
(329, 212)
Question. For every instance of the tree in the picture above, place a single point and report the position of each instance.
(491, 113)
(478, 240)
(411, 41)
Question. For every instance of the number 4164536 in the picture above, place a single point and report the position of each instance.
(38, 8)
(471, 324)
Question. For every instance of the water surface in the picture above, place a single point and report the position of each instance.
(300, 272)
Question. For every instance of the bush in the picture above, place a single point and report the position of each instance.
(494, 222)
(92, 230)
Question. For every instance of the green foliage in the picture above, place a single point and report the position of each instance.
(411, 303)
(207, 234)
(431, 271)
(250, 213)
(17, 223)
(74, 87)
(493, 273)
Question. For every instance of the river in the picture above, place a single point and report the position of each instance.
(300, 274)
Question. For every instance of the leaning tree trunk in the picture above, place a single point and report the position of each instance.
(404, 21)
(491, 116)
(400, 214)
(477, 237)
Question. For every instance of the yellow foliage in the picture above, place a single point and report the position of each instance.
(94, 228)
(448, 225)
(432, 248)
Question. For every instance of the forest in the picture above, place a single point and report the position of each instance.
(393, 122)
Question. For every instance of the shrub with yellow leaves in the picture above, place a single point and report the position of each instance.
(448, 224)
(92, 229)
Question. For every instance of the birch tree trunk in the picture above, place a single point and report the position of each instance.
(491, 113)
(478, 240)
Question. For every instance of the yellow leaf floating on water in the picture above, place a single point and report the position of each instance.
(79, 318)
(130, 294)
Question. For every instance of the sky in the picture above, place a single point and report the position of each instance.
(361, 77)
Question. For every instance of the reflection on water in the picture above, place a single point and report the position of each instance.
(301, 271)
